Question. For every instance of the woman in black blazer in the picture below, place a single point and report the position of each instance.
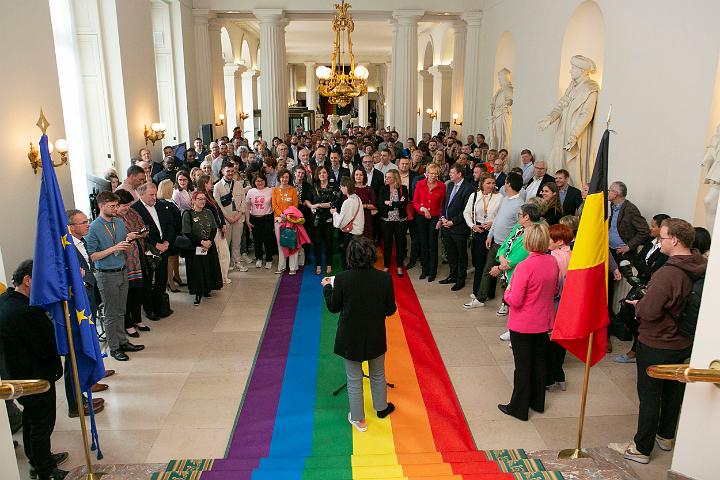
(392, 204)
(364, 297)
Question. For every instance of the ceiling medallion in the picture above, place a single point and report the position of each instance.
(342, 81)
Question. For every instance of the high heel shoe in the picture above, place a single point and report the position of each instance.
(142, 328)
(174, 290)
(182, 284)
(133, 334)
(198, 299)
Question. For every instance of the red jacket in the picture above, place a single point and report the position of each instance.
(432, 200)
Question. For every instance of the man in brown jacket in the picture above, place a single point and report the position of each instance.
(660, 342)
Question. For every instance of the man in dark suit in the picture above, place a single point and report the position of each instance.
(375, 178)
(28, 351)
(162, 233)
(335, 170)
(570, 197)
(454, 229)
(499, 172)
(533, 187)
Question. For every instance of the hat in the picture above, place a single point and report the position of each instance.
(583, 63)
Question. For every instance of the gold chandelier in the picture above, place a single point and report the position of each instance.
(342, 81)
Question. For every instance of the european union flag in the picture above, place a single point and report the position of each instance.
(57, 279)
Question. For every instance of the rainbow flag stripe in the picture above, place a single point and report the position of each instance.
(291, 426)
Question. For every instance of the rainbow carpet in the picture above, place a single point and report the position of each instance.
(290, 426)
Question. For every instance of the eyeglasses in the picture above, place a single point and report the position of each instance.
(664, 238)
(80, 223)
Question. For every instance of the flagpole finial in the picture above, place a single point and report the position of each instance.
(42, 122)
(607, 122)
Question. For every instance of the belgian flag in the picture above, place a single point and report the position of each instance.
(583, 306)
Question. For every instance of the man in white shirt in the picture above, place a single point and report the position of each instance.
(539, 178)
(233, 209)
(386, 164)
(526, 157)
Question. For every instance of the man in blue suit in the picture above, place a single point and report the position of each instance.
(454, 229)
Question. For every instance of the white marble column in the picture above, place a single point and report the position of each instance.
(273, 81)
(249, 96)
(292, 85)
(311, 84)
(202, 66)
(363, 110)
(385, 119)
(442, 90)
(217, 64)
(405, 45)
(458, 76)
(425, 101)
(473, 105)
(233, 95)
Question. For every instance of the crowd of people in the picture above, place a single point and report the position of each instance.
(302, 198)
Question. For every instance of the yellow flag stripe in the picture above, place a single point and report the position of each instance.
(591, 244)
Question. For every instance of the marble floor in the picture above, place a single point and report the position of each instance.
(179, 397)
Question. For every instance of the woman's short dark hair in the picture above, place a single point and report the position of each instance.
(124, 197)
(23, 270)
(532, 211)
(702, 240)
(360, 253)
(660, 217)
(364, 174)
(349, 184)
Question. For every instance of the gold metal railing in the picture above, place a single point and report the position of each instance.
(685, 374)
(11, 389)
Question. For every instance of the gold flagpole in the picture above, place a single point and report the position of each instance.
(90, 475)
(575, 453)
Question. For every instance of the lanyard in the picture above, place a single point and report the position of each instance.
(112, 234)
(486, 204)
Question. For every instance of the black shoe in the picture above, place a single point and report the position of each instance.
(411, 264)
(384, 413)
(423, 276)
(431, 278)
(198, 298)
(166, 313)
(447, 281)
(119, 356)
(134, 334)
(207, 295)
(174, 290)
(59, 459)
(56, 474)
(152, 316)
(143, 328)
(458, 286)
(129, 347)
(177, 280)
(504, 409)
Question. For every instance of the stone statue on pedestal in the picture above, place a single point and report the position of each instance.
(501, 112)
(333, 119)
(712, 178)
(319, 120)
(345, 121)
(355, 121)
(573, 114)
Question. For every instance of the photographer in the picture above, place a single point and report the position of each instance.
(660, 341)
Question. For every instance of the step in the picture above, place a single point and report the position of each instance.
(342, 474)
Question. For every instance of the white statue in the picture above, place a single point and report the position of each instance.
(501, 112)
(319, 120)
(355, 122)
(573, 114)
(712, 178)
(333, 119)
(345, 121)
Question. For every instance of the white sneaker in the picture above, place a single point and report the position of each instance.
(503, 310)
(227, 281)
(279, 272)
(268, 265)
(473, 303)
(240, 267)
(245, 258)
(629, 452)
(505, 337)
(356, 424)
(258, 264)
(665, 444)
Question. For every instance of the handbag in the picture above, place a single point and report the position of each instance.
(183, 243)
(348, 228)
(226, 199)
(288, 237)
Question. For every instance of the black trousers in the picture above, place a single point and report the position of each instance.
(488, 283)
(155, 293)
(529, 352)
(479, 257)
(38, 425)
(457, 255)
(428, 236)
(660, 400)
(324, 236)
(555, 359)
(263, 236)
(394, 232)
(414, 240)
(133, 306)
(346, 237)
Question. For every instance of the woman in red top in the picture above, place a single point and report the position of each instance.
(428, 200)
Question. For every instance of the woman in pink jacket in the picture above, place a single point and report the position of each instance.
(531, 297)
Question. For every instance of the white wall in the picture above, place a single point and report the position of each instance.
(29, 82)
(658, 74)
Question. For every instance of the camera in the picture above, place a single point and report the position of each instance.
(639, 288)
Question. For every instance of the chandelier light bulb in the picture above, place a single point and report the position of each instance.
(428, 111)
(155, 127)
(361, 72)
(323, 72)
(62, 145)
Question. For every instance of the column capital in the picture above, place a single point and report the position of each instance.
(249, 73)
(215, 24)
(459, 27)
(440, 70)
(310, 64)
(424, 74)
(407, 17)
(473, 19)
(201, 15)
(272, 16)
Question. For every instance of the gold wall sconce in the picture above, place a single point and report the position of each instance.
(221, 120)
(456, 119)
(61, 145)
(243, 116)
(431, 113)
(418, 111)
(154, 133)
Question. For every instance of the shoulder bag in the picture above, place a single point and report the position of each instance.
(226, 199)
(348, 228)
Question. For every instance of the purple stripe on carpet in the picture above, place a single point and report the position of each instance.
(254, 426)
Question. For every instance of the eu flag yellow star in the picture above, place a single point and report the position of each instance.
(70, 292)
(64, 241)
(80, 314)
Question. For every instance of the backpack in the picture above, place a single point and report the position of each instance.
(687, 320)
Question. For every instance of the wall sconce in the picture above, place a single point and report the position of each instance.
(243, 116)
(154, 133)
(418, 111)
(34, 154)
(221, 120)
(456, 120)
(431, 113)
